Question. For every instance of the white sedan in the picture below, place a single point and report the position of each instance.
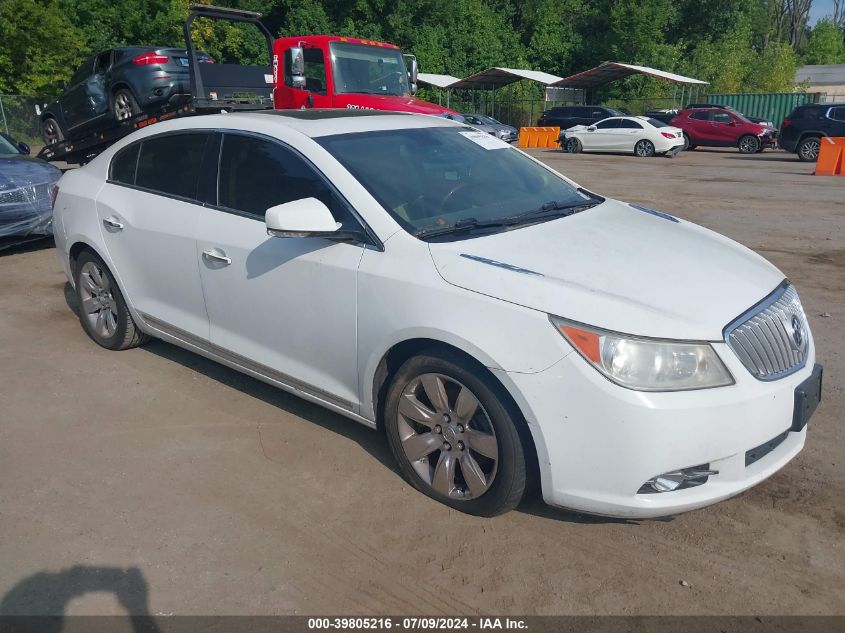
(639, 135)
(499, 323)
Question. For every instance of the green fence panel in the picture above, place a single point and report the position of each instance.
(771, 106)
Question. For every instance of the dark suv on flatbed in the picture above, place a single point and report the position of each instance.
(118, 83)
(801, 130)
(565, 117)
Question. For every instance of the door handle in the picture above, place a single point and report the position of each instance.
(113, 223)
(217, 256)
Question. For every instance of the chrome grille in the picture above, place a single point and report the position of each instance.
(772, 338)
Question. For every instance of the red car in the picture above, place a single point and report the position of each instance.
(717, 127)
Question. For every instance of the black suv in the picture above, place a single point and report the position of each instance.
(118, 83)
(801, 130)
(565, 117)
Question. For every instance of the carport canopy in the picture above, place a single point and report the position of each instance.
(611, 71)
(494, 78)
(438, 81)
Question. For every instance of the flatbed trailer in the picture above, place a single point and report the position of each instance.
(208, 82)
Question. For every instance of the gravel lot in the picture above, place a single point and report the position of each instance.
(158, 480)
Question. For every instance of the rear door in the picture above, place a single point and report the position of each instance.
(285, 307)
(698, 127)
(630, 131)
(149, 214)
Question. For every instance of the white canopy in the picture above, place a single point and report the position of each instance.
(611, 71)
(438, 81)
(497, 77)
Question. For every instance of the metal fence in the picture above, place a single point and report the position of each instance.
(19, 119)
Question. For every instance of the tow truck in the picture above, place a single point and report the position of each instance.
(319, 71)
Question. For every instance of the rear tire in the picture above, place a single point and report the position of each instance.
(124, 106)
(688, 144)
(51, 131)
(644, 149)
(749, 144)
(808, 149)
(102, 310)
(460, 445)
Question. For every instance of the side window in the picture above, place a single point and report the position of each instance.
(103, 62)
(837, 114)
(315, 70)
(700, 116)
(83, 72)
(122, 168)
(608, 124)
(171, 163)
(722, 117)
(630, 124)
(256, 174)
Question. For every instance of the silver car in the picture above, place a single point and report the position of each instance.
(492, 126)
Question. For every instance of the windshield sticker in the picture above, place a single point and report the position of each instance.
(485, 140)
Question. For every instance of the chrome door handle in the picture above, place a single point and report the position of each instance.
(112, 223)
(217, 256)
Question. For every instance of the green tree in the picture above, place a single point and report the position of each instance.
(826, 45)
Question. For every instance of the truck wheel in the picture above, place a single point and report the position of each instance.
(808, 149)
(124, 106)
(749, 144)
(51, 131)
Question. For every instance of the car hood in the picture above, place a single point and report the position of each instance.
(616, 267)
(390, 102)
(19, 170)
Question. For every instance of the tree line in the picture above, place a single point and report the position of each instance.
(736, 45)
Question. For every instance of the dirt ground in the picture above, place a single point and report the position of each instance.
(156, 480)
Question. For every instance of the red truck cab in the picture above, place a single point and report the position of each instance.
(329, 71)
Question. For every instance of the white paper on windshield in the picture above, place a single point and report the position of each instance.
(485, 140)
(268, 79)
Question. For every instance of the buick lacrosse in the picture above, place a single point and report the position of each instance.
(502, 325)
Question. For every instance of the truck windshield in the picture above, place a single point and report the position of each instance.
(438, 180)
(365, 69)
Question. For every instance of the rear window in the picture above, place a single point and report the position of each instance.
(171, 164)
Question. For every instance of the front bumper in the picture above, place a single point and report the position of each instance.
(598, 443)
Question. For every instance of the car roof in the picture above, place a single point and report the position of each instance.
(314, 122)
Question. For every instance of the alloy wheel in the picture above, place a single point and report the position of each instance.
(51, 132)
(447, 436)
(810, 149)
(644, 149)
(748, 145)
(122, 107)
(98, 304)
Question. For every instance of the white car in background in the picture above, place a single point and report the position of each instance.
(639, 135)
(499, 323)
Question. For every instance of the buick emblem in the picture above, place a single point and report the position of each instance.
(797, 332)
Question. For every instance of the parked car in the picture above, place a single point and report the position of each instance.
(118, 83)
(753, 119)
(717, 127)
(566, 116)
(801, 130)
(26, 187)
(666, 115)
(490, 125)
(426, 279)
(638, 135)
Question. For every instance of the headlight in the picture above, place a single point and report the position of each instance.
(647, 364)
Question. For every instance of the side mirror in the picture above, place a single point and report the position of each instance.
(732, 123)
(307, 217)
(592, 128)
(24, 148)
(297, 67)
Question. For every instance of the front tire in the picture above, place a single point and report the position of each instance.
(808, 149)
(644, 148)
(573, 146)
(51, 131)
(453, 437)
(102, 310)
(749, 144)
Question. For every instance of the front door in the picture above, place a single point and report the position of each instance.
(285, 307)
(149, 217)
(605, 137)
(315, 93)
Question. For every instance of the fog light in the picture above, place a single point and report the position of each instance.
(678, 479)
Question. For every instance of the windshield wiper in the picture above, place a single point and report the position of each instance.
(548, 210)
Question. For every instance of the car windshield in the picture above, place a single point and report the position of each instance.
(6, 147)
(434, 179)
(364, 69)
